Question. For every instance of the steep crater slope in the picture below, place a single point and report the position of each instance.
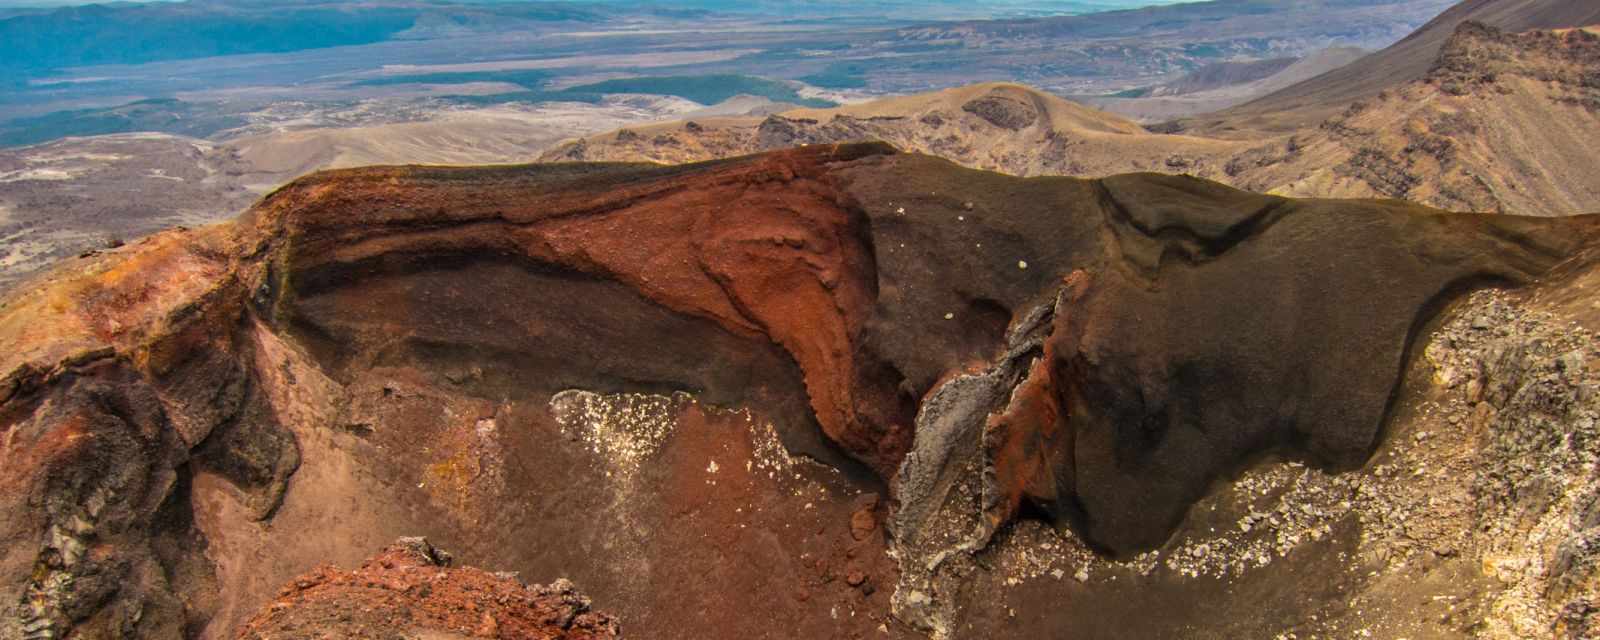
(627, 374)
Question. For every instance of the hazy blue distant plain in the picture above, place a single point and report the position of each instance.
(995, 6)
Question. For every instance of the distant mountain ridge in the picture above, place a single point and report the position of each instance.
(1407, 60)
(995, 126)
(1500, 122)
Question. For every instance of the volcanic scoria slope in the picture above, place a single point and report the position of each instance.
(411, 588)
(836, 391)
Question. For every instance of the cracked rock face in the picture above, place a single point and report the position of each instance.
(508, 357)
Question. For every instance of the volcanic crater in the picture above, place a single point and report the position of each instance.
(808, 393)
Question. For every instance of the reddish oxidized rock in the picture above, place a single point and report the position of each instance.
(411, 588)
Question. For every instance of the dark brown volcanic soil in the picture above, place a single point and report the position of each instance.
(624, 375)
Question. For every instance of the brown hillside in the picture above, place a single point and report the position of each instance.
(1406, 61)
(1502, 122)
(1498, 122)
(993, 126)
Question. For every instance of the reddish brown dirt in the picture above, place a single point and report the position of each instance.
(683, 546)
(410, 588)
(755, 542)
